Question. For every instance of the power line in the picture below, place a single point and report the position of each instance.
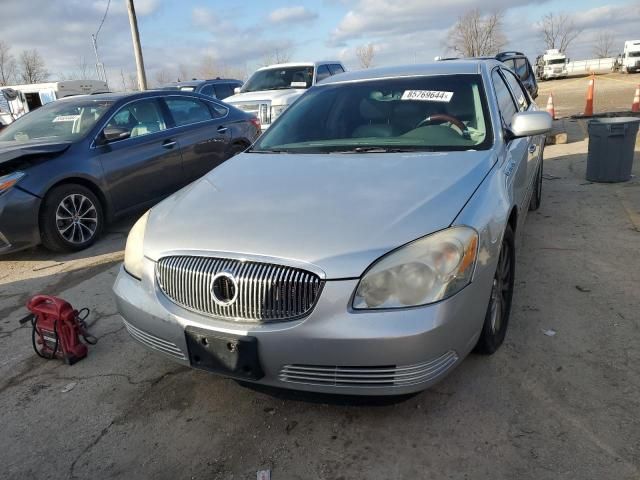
(104, 17)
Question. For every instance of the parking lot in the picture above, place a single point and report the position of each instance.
(613, 93)
(557, 401)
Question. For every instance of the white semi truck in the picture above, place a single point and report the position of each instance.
(631, 56)
(552, 64)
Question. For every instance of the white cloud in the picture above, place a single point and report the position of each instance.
(292, 14)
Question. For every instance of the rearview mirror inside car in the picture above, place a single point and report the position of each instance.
(115, 133)
(526, 124)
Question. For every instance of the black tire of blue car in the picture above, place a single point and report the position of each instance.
(499, 308)
(71, 218)
(536, 196)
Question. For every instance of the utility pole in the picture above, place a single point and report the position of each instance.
(137, 49)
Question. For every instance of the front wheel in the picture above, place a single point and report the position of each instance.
(536, 197)
(499, 308)
(71, 218)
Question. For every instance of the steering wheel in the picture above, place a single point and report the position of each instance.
(443, 117)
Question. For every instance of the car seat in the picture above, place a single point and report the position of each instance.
(376, 114)
(148, 120)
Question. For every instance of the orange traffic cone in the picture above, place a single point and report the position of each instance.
(550, 108)
(635, 106)
(588, 108)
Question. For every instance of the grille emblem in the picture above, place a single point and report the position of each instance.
(224, 289)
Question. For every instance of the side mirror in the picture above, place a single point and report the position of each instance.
(526, 124)
(236, 90)
(111, 134)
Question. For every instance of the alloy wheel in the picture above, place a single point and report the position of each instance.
(76, 219)
(500, 289)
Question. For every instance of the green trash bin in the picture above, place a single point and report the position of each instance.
(611, 147)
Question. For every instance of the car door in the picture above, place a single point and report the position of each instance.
(515, 166)
(201, 129)
(146, 166)
(534, 144)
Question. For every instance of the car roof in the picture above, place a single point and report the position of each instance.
(450, 67)
(196, 82)
(117, 96)
(301, 64)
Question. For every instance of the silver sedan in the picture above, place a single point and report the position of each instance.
(364, 245)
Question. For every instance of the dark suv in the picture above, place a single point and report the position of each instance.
(219, 88)
(519, 63)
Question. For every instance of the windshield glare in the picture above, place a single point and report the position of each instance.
(417, 113)
(279, 78)
(557, 61)
(63, 120)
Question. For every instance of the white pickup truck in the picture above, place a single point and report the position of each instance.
(270, 90)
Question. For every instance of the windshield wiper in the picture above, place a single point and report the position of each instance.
(275, 150)
(383, 150)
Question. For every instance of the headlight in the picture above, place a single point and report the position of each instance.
(8, 181)
(425, 271)
(276, 110)
(133, 252)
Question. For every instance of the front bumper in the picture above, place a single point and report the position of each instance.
(332, 350)
(18, 220)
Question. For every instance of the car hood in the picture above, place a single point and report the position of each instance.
(339, 212)
(277, 97)
(10, 150)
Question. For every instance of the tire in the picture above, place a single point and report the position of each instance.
(494, 328)
(536, 197)
(71, 218)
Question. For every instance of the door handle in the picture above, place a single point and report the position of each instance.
(532, 148)
(169, 144)
(222, 130)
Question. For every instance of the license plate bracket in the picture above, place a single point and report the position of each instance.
(228, 355)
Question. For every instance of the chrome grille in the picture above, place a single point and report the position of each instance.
(266, 292)
(260, 110)
(376, 376)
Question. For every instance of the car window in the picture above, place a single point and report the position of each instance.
(521, 68)
(208, 90)
(426, 113)
(510, 63)
(223, 90)
(64, 120)
(280, 78)
(217, 110)
(522, 99)
(186, 111)
(336, 69)
(322, 73)
(505, 100)
(141, 117)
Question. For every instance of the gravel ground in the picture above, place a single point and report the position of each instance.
(613, 93)
(543, 407)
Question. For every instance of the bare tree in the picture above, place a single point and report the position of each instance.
(278, 55)
(476, 35)
(208, 68)
(558, 31)
(365, 54)
(83, 69)
(7, 64)
(161, 77)
(32, 67)
(603, 48)
(183, 72)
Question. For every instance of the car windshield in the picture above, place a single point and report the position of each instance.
(634, 54)
(64, 120)
(556, 61)
(279, 78)
(447, 112)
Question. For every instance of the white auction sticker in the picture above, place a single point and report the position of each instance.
(66, 118)
(427, 95)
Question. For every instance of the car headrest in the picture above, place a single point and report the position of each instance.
(372, 110)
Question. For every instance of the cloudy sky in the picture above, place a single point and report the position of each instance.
(233, 37)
